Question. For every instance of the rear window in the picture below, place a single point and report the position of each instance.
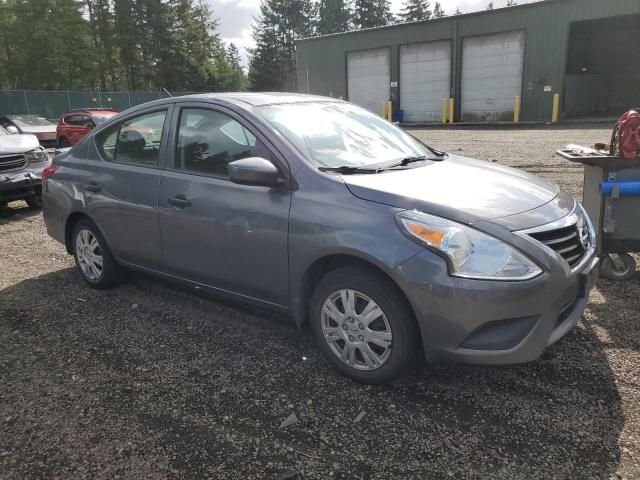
(136, 140)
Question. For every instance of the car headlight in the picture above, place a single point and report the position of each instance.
(471, 253)
(37, 155)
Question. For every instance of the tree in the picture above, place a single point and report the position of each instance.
(273, 61)
(490, 6)
(334, 16)
(512, 3)
(237, 79)
(45, 44)
(438, 11)
(372, 13)
(458, 11)
(415, 11)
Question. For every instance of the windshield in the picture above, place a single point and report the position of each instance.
(341, 134)
(29, 121)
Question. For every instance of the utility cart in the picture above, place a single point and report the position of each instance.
(611, 197)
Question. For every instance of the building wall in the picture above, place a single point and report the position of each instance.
(322, 60)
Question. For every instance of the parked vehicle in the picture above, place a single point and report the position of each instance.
(22, 160)
(73, 126)
(42, 128)
(316, 207)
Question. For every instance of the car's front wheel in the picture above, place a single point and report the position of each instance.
(93, 258)
(363, 325)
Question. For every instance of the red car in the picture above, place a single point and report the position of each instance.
(76, 124)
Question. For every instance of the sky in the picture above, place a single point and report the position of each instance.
(236, 16)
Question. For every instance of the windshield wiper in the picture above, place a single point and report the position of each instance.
(348, 170)
(404, 162)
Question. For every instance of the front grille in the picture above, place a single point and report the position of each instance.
(12, 162)
(571, 242)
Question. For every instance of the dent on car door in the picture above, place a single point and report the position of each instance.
(122, 193)
(229, 236)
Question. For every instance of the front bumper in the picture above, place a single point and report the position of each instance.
(23, 183)
(493, 322)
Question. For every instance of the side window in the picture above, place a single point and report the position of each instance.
(209, 140)
(136, 140)
(71, 120)
(85, 121)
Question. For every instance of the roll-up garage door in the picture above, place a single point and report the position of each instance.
(492, 68)
(425, 71)
(368, 78)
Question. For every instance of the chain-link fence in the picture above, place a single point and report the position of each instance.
(53, 104)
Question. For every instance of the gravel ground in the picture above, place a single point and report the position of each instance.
(152, 381)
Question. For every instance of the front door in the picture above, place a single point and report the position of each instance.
(215, 232)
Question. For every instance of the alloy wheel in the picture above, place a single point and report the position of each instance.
(89, 254)
(356, 329)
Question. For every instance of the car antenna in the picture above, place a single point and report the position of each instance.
(167, 92)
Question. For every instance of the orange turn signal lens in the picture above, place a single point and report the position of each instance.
(432, 237)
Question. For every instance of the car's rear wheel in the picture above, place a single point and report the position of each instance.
(363, 325)
(63, 142)
(93, 258)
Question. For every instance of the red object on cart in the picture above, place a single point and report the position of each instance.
(626, 136)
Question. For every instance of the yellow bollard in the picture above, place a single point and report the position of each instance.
(444, 111)
(516, 110)
(390, 111)
(383, 110)
(556, 108)
(451, 110)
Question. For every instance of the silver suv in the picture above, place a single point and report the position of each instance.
(22, 161)
(313, 206)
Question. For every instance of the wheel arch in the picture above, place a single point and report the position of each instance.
(71, 222)
(327, 263)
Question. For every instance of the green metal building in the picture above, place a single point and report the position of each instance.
(490, 63)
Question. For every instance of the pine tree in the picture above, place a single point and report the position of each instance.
(273, 61)
(458, 11)
(438, 11)
(334, 16)
(490, 6)
(415, 11)
(372, 13)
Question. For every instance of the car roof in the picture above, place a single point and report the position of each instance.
(92, 111)
(252, 99)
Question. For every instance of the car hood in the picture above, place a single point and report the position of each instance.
(38, 128)
(17, 144)
(458, 188)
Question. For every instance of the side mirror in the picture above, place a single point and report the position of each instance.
(253, 171)
(12, 129)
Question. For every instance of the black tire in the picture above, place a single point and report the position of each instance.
(111, 274)
(404, 342)
(34, 201)
(63, 142)
(609, 270)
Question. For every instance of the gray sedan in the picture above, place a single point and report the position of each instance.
(386, 246)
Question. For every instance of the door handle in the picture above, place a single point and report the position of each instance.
(93, 187)
(180, 201)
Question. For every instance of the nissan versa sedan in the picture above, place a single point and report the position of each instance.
(385, 246)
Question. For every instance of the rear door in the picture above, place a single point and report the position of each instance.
(77, 126)
(121, 190)
(215, 232)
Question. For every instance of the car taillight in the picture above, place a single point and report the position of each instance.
(47, 172)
